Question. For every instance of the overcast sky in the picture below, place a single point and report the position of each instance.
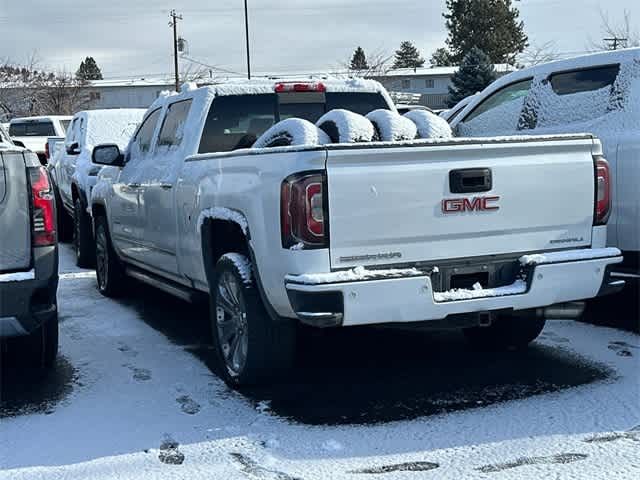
(132, 38)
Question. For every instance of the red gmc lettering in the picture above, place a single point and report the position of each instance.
(477, 204)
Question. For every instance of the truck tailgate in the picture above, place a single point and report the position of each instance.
(15, 220)
(403, 205)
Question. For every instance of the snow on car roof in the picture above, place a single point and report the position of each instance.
(112, 125)
(41, 118)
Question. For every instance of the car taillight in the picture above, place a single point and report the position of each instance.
(44, 219)
(303, 211)
(602, 191)
(286, 87)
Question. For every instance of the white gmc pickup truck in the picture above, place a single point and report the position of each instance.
(491, 235)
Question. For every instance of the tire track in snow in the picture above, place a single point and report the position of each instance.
(399, 467)
(560, 458)
(252, 468)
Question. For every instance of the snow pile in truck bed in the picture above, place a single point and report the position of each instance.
(517, 287)
(344, 126)
(391, 126)
(353, 275)
(294, 132)
(569, 256)
(429, 124)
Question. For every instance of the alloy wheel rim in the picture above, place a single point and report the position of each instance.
(231, 324)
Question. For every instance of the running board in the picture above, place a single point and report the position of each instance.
(165, 285)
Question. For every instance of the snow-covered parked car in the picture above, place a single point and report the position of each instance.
(483, 234)
(74, 175)
(33, 132)
(597, 93)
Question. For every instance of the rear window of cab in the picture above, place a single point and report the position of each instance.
(32, 129)
(236, 121)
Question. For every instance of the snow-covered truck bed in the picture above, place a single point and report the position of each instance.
(491, 235)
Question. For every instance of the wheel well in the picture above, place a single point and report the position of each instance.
(220, 237)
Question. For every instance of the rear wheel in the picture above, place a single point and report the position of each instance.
(83, 238)
(109, 269)
(250, 346)
(506, 332)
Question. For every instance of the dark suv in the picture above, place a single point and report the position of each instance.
(28, 259)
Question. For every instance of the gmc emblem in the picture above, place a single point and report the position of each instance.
(477, 204)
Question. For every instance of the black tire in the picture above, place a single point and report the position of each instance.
(269, 346)
(83, 242)
(506, 332)
(40, 348)
(109, 270)
(64, 220)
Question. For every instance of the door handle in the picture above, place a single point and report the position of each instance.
(166, 186)
(470, 180)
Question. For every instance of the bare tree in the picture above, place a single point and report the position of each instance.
(378, 63)
(26, 90)
(61, 94)
(615, 33)
(536, 54)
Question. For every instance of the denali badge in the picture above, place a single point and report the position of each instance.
(476, 204)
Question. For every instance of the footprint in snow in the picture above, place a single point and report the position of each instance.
(560, 458)
(251, 467)
(127, 350)
(139, 374)
(622, 349)
(188, 405)
(612, 437)
(399, 467)
(169, 452)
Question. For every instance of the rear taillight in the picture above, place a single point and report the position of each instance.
(303, 211)
(44, 219)
(286, 87)
(602, 191)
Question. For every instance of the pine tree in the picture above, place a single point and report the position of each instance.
(490, 25)
(359, 60)
(88, 70)
(476, 72)
(441, 58)
(408, 56)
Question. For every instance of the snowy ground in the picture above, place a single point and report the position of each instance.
(133, 396)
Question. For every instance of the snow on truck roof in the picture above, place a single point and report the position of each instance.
(266, 86)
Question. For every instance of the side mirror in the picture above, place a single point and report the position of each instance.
(107, 154)
(73, 148)
(18, 143)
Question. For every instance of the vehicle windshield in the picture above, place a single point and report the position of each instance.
(32, 129)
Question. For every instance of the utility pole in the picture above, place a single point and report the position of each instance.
(174, 23)
(246, 28)
(615, 41)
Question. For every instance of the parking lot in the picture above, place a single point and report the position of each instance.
(134, 390)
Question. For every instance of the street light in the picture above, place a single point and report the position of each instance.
(246, 27)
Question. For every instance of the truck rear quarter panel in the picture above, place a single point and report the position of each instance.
(249, 183)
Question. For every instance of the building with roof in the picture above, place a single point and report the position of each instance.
(429, 85)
